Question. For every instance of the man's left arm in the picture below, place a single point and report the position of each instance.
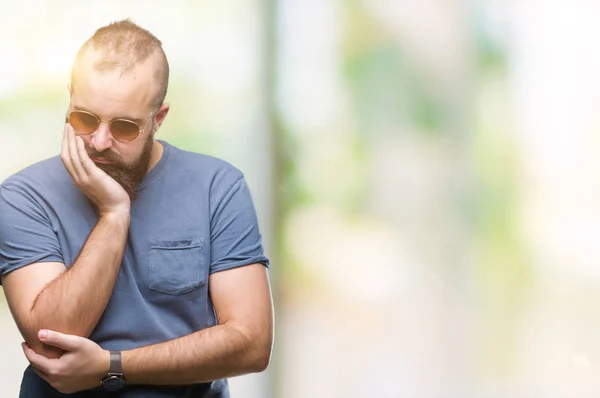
(241, 343)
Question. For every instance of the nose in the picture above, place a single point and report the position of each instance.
(101, 139)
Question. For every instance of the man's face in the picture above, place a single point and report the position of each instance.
(128, 175)
(111, 95)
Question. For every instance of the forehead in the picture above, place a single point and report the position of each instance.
(113, 92)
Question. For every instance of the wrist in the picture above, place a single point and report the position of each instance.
(104, 364)
(113, 379)
(117, 216)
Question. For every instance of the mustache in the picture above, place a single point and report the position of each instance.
(107, 154)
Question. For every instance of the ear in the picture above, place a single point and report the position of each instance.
(160, 116)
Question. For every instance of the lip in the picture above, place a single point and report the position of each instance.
(103, 161)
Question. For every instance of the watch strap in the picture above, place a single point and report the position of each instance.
(115, 362)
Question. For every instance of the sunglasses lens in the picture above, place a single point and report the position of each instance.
(83, 122)
(124, 130)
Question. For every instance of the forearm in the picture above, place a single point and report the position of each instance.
(73, 302)
(218, 352)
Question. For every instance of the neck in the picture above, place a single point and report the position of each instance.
(157, 151)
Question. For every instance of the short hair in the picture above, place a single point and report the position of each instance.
(125, 44)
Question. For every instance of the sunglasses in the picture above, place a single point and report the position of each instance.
(122, 130)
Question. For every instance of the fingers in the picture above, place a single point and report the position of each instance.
(74, 155)
(86, 162)
(42, 374)
(64, 341)
(65, 155)
(37, 361)
(45, 368)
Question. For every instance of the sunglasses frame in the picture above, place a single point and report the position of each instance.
(100, 121)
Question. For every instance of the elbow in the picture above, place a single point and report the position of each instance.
(45, 350)
(261, 358)
(30, 330)
(32, 340)
(261, 364)
(256, 350)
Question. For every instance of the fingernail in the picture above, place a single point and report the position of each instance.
(43, 334)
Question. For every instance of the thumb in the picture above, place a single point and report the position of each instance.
(65, 341)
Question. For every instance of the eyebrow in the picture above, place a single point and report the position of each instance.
(138, 121)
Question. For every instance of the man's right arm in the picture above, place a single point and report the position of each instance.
(48, 296)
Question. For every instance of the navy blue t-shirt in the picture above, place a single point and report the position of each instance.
(194, 215)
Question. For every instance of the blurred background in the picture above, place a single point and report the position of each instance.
(426, 175)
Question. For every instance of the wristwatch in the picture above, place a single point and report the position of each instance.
(114, 381)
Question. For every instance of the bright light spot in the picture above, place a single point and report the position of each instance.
(12, 66)
(580, 361)
(310, 94)
(56, 62)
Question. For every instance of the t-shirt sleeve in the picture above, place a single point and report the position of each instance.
(26, 233)
(235, 234)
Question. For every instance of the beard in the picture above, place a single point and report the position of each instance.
(128, 176)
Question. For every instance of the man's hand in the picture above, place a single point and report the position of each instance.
(107, 194)
(82, 366)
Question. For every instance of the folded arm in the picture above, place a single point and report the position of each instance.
(48, 296)
(241, 343)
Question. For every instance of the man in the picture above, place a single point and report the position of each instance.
(132, 268)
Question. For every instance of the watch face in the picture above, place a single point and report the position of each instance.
(113, 383)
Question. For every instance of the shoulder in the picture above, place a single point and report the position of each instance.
(39, 176)
(212, 172)
(31, 189)
(186, 159)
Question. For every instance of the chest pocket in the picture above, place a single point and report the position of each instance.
(176, 267)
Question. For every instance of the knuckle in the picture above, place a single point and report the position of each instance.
(57, 373)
